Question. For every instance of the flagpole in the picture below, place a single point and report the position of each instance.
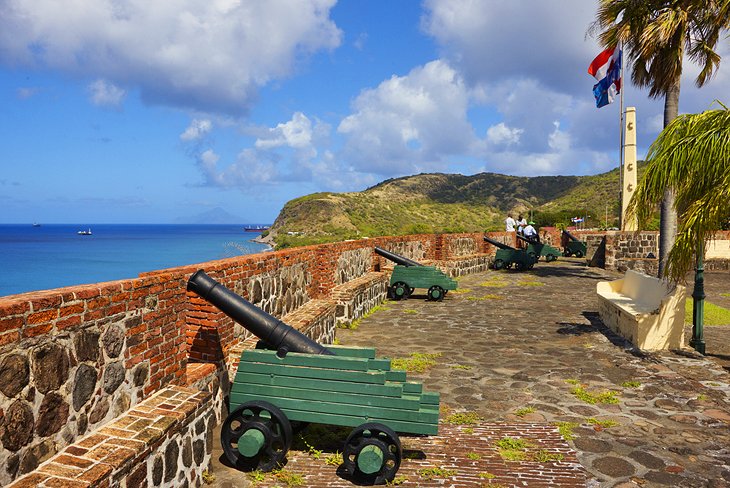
(621, 145)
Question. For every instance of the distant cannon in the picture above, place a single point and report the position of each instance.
(507, 256)
(535, 248)
(409, 275)
(572, 246)
(303, 381)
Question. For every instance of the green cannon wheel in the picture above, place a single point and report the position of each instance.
(436, 293)
(372, 454)
(256, 436)
(400, 290)
(498, 264)
(550, 258)
(578, 253)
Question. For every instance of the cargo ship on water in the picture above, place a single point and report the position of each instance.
(255, 228)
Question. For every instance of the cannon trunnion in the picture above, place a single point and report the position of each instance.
(409, 275)
(344, 386)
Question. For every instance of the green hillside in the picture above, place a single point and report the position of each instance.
(437, 202)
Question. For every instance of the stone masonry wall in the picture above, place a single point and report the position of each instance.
(75, 358)
(353, 264)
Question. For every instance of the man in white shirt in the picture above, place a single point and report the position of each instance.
(509, 223)
(530, 232)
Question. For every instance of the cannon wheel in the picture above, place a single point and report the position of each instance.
(578, 253)
(498, 264)
(567, 253)
(256, 436)
(535, 258)
(400, 290)
(372, 454)
(550, 258)
(436, 293)
(519, 265)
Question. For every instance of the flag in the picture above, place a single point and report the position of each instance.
(606, 68)
(576, 220)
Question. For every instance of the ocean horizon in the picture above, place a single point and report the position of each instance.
(40, 257)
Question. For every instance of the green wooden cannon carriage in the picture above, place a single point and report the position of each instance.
(537, 249)
(507, 257)
(572, 246)
(297, 380)
(409, 275)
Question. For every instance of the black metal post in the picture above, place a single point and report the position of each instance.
(698, 303)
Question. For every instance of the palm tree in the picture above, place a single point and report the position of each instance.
(691, 155)
(656, 35)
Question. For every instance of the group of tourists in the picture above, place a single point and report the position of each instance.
(524, 228)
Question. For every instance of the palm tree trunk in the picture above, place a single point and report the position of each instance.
(668, 217)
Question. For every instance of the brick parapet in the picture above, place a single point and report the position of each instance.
(163, 441)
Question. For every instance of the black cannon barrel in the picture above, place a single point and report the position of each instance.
(498, 244)
(528, 240)
(266, 327)
(397, 258)
(570, 236)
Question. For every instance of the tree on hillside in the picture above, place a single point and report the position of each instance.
(656, 35)
(691, 155)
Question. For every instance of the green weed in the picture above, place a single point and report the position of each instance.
(463, 418)
(545, 456)
(602, 423)
(436, 472)
(473, 456)
(530, 283)
(257, 476)
(493, 284)
(607, 397)
(398, 480)
(566, 430)
(334, 459)
(521, 412)
(208, 477)
(416, 363)
(487, 475)
(289, 478)
(572, 382)
(410, 311)
(461, 366)
(467, 430)
(631, 384)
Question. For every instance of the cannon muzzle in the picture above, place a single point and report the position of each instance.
(397, 258)
(498, 244)
(266, 327)
(570, 236)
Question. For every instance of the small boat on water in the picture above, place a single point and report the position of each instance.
(84, 232)
(36, 224)
(255, 228)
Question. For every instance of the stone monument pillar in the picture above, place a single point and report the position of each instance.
(628, 174)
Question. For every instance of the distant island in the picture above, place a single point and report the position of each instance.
(215, 215)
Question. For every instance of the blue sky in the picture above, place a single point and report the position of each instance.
(129, 111)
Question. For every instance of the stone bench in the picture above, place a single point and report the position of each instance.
(643, 309)
(356, 297)
(166, 440)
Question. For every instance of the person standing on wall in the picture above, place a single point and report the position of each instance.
(509, 223)
(521, 224)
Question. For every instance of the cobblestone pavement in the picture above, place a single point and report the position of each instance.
(529, 349)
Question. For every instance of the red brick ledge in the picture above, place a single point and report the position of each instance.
(117, 452)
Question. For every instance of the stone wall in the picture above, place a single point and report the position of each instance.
(353, 264)
(75, 358)
(165, 441)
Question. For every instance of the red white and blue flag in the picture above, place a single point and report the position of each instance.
(606, 68)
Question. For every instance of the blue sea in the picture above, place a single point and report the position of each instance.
(55, 255)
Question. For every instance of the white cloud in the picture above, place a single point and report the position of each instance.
(409, 123)
(197, 129)
(296, 133)
(209, 56)
(501, 135)
(105, 94)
